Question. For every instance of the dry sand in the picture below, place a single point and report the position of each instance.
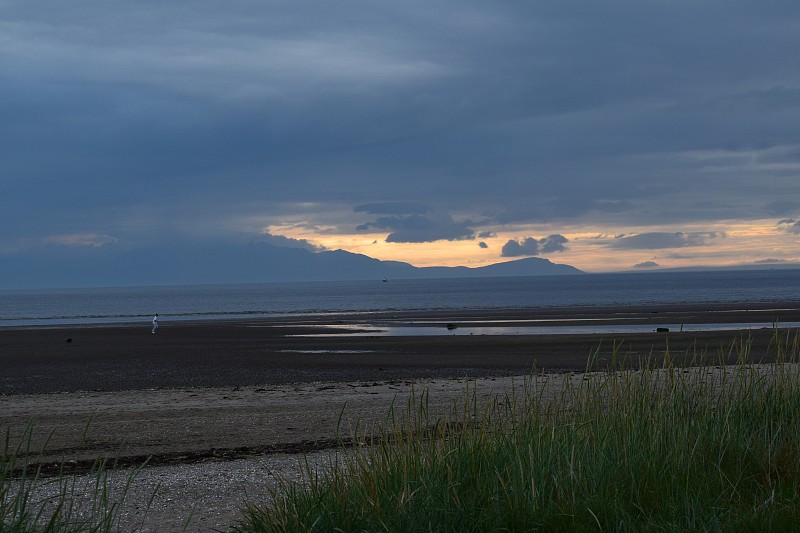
(211, 448)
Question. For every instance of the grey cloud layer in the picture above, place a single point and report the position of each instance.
(658, 240)
(120, 117)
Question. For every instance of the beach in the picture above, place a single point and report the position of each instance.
(327, 347)
(240, 401)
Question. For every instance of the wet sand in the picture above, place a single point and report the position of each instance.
(319, 348)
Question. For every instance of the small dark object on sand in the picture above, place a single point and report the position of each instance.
(662, 330)
(451, 326)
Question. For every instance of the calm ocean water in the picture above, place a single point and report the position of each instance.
(110, 305)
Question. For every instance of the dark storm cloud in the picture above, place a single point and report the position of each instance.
(657, 240)
(417, 228)
(483, 245)
(528, 246)
(286, 242)
(553, 243)
(141, 119)
(531, 246)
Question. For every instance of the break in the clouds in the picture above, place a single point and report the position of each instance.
(657, 240)
(430, 122)
(531, 246)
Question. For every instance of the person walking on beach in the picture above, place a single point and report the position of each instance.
(155, 323)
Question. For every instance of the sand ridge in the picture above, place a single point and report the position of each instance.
(210, 449)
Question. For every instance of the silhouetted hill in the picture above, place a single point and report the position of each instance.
(250, 263)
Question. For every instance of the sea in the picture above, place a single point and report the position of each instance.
(112, 305)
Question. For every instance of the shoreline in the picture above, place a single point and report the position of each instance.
(315, 348)
(695, 312)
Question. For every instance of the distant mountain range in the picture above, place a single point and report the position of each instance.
(250, 263)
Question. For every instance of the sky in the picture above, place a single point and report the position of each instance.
(614, 135)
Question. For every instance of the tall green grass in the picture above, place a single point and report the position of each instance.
(708, 448)
(33, 502)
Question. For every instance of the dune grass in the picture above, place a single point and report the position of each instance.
(32, 502)
(707, 448)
